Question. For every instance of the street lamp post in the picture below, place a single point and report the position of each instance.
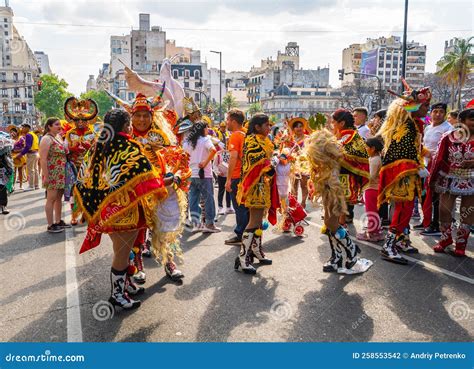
(220, 83)
(404, 45)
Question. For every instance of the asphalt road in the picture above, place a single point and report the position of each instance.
(51, 293)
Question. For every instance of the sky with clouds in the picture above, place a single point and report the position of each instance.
(77, 34)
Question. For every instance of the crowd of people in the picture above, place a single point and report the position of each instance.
(146, 171)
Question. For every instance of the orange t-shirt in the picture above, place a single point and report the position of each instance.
(236, 143)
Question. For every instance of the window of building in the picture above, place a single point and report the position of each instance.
(186, 73)
(3, 76)
(186, 84)
(125, 51)
(28, 77)
(17, 107)
(6, 33)
(175, 74)
(7, 57)
(30, 92)
(136, 63)
(15, 77)
(16, 92)
(5, 107)
(5, 25)
(196, 74)
(5, 20)
(23, 106)
(196, 97)
(4, 92)
(131, 96)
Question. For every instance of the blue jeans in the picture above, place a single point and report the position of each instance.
(202, 188)
(241, 212)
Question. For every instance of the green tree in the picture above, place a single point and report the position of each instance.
(455, 67)
(229, 102)
(273, 119)
(103, 101)
(50, 100)
(254, 109)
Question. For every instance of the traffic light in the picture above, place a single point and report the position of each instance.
(341, 74)
(40, 84)
(374, 105)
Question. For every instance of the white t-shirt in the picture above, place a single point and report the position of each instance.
(432, 135)
(203, 146)
(363, 131)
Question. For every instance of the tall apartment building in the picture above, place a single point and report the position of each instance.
(43, 62)
(383, 57)
(143, 51)
(19, 73)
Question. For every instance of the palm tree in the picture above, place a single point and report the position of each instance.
(455, 67)
(229, 102)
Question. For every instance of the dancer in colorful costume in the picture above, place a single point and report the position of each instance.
(152, 129)
(402, 166)
(325, 155)
(117, 190)
(79, 135)
(299, 131)
(452, 175)
(257, 191)
(354, 173)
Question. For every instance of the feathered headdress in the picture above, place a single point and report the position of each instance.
(413, 98)
(141, 102)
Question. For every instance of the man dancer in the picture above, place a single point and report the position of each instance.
(402, 167)
(80, 138)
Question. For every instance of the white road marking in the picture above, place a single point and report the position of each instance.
(413, 260)
(74, 325)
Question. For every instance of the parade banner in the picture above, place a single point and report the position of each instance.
(237, 355)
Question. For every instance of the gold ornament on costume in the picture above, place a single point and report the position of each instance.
(190, 106)
(76, 109)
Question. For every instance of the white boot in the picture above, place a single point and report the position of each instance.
(244, 260)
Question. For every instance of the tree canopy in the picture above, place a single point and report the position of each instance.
(50, 99)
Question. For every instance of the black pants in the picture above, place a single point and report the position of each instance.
(435, 209)
(221, 191)
(3, 196)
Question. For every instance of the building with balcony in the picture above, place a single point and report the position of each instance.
(285, 101)
(283, 70)
(19, 73)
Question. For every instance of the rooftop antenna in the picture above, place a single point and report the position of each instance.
(7, 3)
